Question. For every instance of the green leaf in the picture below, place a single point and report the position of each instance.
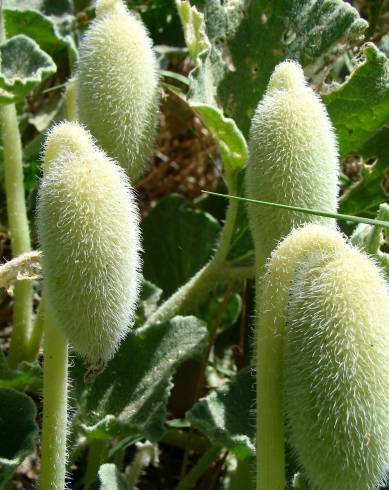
(299, 482)
(18, 430)
(26, 374)
(52, 34)
(225, 416)
(130, 396)
(366, 195)
(194, 29)
(359, 110)
(230, 141)
(111, 478)
(177, 241)
(243, 41)
(360, 106)
(23, 65)
(161, 19)
(48, 7)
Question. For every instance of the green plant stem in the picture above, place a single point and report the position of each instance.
(71, 100)
(231, 272)
(270, 427)
(200, 468)
(18, 225)
(36, 333)
(374, 240)
(183, 300)
(188, 295)
(53, 461)
(204, 363)
(143, 457)
(18, 221)
(98, 450)
(272, 292)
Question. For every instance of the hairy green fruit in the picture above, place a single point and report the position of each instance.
(336, 370)
(89, 235)
(117, 89)
(293, 158)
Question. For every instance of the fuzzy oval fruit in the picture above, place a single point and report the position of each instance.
(336, 370)
(89, 234)
(293, 158)
(117, 86)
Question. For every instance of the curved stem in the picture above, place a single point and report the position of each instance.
(272, 301)
(228, 228)
(199, 469)
(53, 461)
(186, 297)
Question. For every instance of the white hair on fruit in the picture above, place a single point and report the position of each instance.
(293, 158)
(88, 228)
(336, 370)
(118, 86)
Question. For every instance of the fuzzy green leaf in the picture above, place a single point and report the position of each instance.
(225, 416)
(359, 110)
(18, 430)
(299, 482)
(26, 374)
(23, 65)
(130, 396)
(194, 29)
(231, 143)
(230, 140)
(177, 241)
(111, 478)
(360, 106)
(47, 7)
(51, 33)
(243, 42)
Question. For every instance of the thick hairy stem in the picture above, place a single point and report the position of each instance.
(185, 298)
(18, 224)
(17, 218)
(53, 461)
(272, 301)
